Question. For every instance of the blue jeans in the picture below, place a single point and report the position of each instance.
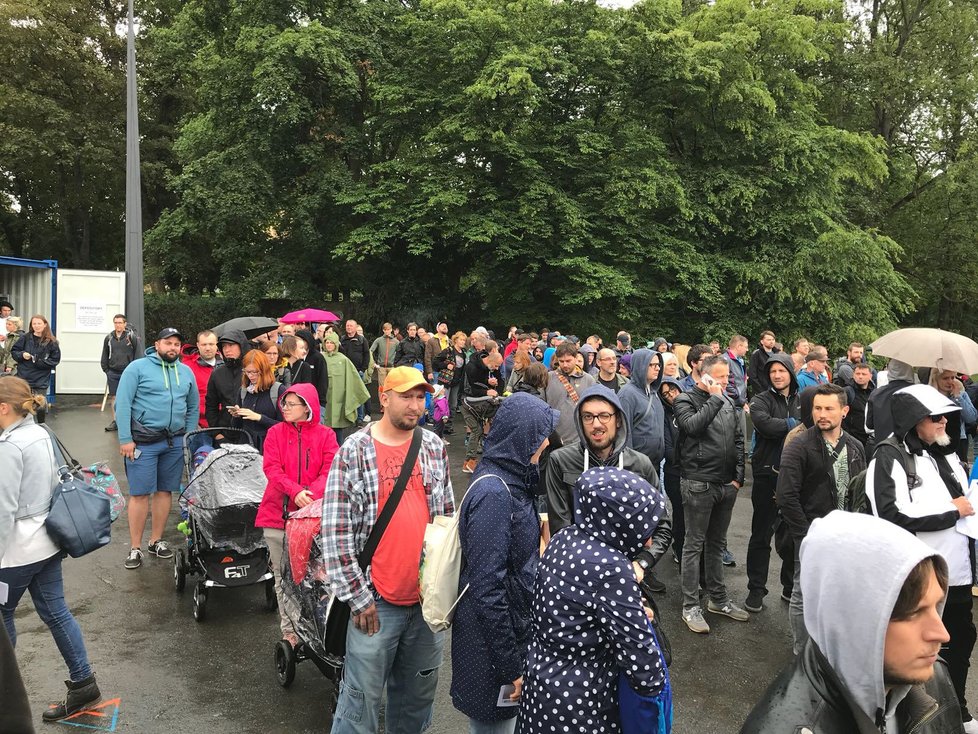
(404, 655)
(45, 583)
(506, 726)
(365, 407)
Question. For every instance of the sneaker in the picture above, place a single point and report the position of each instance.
(469, 466)
(971, 727)
(160, 549)
(134, 559)
(754, 602)
(693, 617)
(367, 419)
(728, 609)
(112, 427)
(727, 558)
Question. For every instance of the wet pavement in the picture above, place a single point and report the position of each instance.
(164, 672)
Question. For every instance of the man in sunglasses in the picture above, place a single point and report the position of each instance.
(603, 441)
(929, 502)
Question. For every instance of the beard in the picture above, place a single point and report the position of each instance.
(402, 422)
(943, 440)
(170, 358)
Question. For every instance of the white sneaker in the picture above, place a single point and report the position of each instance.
(971, 727)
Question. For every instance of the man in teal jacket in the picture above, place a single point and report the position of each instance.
(156, 404)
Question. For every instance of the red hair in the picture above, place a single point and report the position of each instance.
(257, 359)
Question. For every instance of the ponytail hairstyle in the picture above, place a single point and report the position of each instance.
(16, 393)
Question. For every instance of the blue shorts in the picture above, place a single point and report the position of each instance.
(159, 468)
(112, 378)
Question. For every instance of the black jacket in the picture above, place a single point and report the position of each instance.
(312, 369)
(566, 465)
(44, 358)
(447, 356)
(118, 353)
(409, 352)
(855, 420)
(670, 432)
(356, 349)
(477, 378)
(808, 696)
(711, 438)
(757, 380)
(224, 384)
(773, 415)
(806, 479)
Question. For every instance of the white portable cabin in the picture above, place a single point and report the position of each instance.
(79, 304)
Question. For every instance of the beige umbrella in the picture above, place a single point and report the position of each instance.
(944, 350)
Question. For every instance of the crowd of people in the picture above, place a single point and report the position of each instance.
(589, 464)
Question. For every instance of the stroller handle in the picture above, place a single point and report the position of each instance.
(188, 458)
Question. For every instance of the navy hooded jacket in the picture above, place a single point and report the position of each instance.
(643, 409)
(500, 536)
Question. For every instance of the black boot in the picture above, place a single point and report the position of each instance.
(80, 695)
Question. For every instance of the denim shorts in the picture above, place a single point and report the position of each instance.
(159, 468)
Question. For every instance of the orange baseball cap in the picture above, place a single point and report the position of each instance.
(402, 379)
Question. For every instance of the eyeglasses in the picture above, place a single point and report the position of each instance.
(592, 417)
(252, 372)
(287, 404)
(937, 418)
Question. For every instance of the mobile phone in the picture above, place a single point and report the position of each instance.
(136, 454)
(707, 380)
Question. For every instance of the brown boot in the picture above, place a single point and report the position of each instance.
(469, 466)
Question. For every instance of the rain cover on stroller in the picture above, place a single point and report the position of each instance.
(223, 497)
(305, 587)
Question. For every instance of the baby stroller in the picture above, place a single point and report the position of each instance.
(306, 596)
(220, 504)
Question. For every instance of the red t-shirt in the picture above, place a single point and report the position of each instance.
(394, 568)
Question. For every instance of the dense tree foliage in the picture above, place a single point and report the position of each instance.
(675, 167)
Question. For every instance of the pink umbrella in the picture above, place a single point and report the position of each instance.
(309, 315)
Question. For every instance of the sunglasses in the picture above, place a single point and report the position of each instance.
(937, 418)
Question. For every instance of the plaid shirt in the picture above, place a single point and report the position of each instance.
(350, 509)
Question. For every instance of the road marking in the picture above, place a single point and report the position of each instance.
(89, 718)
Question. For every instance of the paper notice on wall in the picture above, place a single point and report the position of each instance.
(90, 316)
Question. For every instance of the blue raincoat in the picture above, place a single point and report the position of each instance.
(588, 626)
(500, 536)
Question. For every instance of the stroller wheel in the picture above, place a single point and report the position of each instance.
(179, 570)
(200, 601)
(284, 663)
(271, 601)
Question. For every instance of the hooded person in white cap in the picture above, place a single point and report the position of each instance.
(873, 601)
(916, 481)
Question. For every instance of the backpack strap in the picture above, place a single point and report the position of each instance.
(907, 460)
(273, 392)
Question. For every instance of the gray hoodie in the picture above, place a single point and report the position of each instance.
(28, 475)
(643, 409)
(852, 569)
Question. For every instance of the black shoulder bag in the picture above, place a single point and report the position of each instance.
(338, 614)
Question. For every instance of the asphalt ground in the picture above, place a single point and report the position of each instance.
(160, 671)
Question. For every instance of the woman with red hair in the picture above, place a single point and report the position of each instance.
(257, 409)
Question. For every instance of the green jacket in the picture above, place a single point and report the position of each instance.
(383, 349)
(346, 389)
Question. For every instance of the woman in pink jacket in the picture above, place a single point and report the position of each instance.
(297, 455)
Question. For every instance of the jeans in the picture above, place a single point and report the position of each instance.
(708, 507)
(506, 726)
(960, 626)
(796, 607)
(364, 409)
(45, 583)
(403, 656)
(678, 518)
(761, 532)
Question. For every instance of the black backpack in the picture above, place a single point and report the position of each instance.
(858, 501)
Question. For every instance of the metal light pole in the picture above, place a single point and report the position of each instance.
(135, 310)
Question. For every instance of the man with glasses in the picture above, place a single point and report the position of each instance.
(711, 465)
(608, 374)
(814, 373)
(603, 441)
(120, 347)
(929, 502)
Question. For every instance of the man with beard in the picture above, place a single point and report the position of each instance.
(814, 479)
(602, 433)
(161, 391)
(774, 411)
(564, 389)
(224, 385)
(388, 643)
(923, 491)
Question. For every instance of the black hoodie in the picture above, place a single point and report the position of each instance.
(224, 385)
(312, 369)
(773, 415)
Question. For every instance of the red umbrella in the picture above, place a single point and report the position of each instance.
(309, 315)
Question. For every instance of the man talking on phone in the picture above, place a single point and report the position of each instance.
(156, 404)
(711, 469)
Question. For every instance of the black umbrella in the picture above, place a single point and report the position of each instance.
(252, 326)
